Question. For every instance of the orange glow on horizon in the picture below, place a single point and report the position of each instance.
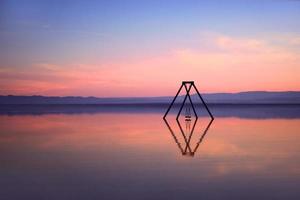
(225, 64)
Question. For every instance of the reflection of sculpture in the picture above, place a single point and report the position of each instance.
(188, 86)
(188, 150)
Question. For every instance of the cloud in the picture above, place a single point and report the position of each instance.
(220, 63)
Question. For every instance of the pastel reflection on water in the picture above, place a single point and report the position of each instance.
(134, 156)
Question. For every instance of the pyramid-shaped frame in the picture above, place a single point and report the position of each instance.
(188, 85)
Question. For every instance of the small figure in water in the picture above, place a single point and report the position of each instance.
(188, 118)
(188, 114)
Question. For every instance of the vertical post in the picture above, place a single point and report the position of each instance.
(188, 93)
(183, 100)
(187, 147)
(203, 102)
(173, 101)
(191, 134)
(175, 138)
(203, 135)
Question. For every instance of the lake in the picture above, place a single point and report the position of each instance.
(130, 152)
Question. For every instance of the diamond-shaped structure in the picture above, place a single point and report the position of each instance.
(188, 85)
(190, 124)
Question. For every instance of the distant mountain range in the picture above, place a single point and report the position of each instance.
(255, 97)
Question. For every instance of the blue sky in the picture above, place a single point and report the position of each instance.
(64, 32)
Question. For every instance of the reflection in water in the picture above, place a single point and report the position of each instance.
(187, 135)
(132, 156)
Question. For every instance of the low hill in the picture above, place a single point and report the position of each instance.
(255, 97)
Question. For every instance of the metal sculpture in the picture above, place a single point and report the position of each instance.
(188, 85)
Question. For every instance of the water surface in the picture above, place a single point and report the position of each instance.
(133, 155)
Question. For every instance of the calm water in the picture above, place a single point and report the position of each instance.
(136, 155)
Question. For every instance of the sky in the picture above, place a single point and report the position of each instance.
(146, 48)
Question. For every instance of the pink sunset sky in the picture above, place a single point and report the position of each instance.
(149, 55)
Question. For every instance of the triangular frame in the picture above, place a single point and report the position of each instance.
(188, 88)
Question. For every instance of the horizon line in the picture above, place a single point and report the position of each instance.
(210, 93)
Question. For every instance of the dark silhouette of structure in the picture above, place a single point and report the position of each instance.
(187, 150)
(188, 85)
(189, 128)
